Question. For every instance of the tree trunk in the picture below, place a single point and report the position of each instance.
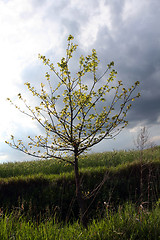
(79, 194)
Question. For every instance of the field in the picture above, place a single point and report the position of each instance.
(38, 198)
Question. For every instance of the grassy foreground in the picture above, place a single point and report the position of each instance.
(28, 188)
(127, 223)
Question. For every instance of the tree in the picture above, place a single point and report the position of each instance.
(142, 143)
(74, 114)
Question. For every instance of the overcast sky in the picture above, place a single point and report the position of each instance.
(124, 31)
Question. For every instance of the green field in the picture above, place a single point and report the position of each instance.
(37, 198)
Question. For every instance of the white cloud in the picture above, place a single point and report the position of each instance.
(24, 34)
(3, 158)
(158, 120)
(155, 139)
(134, 8)
(100, 17)
(134, 129)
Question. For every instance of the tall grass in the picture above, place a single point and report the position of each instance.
(47, 167)
(40, 185)
(45, 190)
(127, 223)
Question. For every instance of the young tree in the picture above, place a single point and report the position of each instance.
(143, 142)
(74, 114)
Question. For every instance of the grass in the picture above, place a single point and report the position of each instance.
(127, 223)
(28, 188)
(88, 161)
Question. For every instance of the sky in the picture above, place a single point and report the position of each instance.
(124, 31)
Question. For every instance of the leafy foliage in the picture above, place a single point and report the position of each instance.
(70, 112)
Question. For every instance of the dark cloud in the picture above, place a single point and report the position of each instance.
(134, 45)
(133, 42)
(147, 110)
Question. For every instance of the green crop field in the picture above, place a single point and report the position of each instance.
(37, 198)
